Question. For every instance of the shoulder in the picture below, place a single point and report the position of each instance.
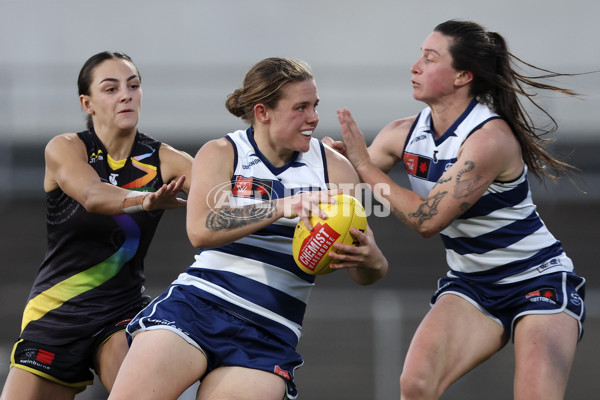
(339, 167)
(215, 149)
(494, 145)
(388, 145)
(168, 152)
(400, 126)
(66, 142)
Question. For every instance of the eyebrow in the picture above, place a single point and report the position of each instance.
(116, 80)
(432, 50)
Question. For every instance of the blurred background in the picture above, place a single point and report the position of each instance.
(192, 54)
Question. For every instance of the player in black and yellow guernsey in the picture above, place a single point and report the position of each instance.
(106, 189)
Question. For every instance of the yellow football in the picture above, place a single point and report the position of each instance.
(311, 248)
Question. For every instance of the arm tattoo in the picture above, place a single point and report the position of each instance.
(465, 187)
(428, 209)
(440, 181)
(228, 218)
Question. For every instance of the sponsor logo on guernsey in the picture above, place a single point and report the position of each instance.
(417, 165)
(96, 157)
(250, 163)
(252, 187)
(418, 138)
(547, 295)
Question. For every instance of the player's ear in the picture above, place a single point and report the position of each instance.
(463, 78)
(261, 113)
(86, 104)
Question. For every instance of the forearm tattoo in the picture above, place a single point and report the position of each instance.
(428, 209)
(465, 187)
(229, 218)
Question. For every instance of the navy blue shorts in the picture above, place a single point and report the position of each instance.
(505, 303)
(225, 339)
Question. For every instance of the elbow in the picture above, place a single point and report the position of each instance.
(198, 240)
(428, 230)
(202, 238)
(93, 206)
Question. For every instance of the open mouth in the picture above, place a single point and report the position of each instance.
(306, 133)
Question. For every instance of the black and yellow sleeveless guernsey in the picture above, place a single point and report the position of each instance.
(93, 272)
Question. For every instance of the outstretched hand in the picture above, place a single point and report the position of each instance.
(166, 197)
(354, 141)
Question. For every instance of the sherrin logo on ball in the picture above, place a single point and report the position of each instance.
(310, 248)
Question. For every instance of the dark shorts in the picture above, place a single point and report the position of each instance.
(225, 339)
(68, 364)
(506, 303)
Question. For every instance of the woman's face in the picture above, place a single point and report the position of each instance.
(115, 98)
(294, 119)
(433, 75)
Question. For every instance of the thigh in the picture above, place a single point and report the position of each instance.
(237, 383)
(109, 358)
(453, 338)
(159, 365)
(544, 351)
(24, 385)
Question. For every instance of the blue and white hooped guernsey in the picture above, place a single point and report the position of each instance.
(501, 238)
(256, 277)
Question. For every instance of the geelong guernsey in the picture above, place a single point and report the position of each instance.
(256, 277)
(93, 269)
(501, 238)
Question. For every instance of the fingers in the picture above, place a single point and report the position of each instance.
(350, 255)
(305, 205)
(166, 196)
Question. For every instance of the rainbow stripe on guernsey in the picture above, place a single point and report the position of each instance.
(86, 280)
(150, 171)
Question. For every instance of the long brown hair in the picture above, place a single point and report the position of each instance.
(498, 85)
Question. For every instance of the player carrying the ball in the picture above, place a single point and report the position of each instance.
(234, 318)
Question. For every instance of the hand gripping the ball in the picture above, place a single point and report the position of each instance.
(306, 204)
(311, 247)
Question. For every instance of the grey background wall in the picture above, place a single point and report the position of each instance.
(191, 54)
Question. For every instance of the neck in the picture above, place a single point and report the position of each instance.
(445, 114)
(276, 156)
(118, 144)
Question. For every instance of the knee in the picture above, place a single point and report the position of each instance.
(416, 387)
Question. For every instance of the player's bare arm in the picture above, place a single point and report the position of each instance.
(67, 167)
(174, 164)
(386, 149)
